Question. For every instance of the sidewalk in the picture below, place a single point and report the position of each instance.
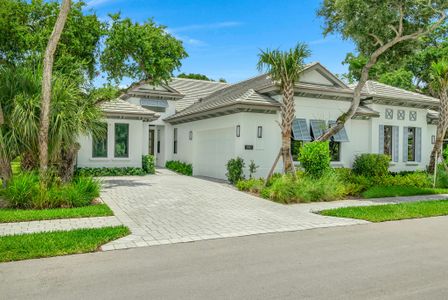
(56, 225)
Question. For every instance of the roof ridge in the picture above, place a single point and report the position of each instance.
(201, 80)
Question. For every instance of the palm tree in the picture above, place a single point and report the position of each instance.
(72, 113)
(439, 85)
(284, 68)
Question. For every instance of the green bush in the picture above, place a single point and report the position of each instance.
(371, 165)
(25, 192)
(315, 158)
(21, 189)
(103, 172)
(251, 185)
(235, 170)
(179, 167)
(442, 177)
(148, 164)
(304, 188)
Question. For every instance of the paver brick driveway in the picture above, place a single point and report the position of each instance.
(171, 208)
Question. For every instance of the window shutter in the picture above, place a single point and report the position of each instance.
(395, 143)
(405, 144)
(381, 140)
(418, 144)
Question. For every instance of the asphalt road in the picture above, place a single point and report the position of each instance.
(396, 260)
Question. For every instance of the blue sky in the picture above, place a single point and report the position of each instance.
(223, 38)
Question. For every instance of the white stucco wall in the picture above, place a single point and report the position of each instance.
(427, 132)
(85, 158)
(264, 150)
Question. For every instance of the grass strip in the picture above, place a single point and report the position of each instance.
(391, 212)
(397, 191)
(46, 244)
(21, 215)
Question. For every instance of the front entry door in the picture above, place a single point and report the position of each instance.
(151, 141)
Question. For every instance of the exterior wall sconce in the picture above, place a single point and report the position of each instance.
(190, 135)
(238, 130)
(260, 132)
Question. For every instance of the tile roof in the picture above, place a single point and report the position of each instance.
(243, 92)
(374, 88)
(193, 90)
(121, 107)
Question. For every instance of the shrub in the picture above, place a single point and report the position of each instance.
(252, 168)
(250, 185)
(371, 165)
(305, 188)
(235, 168)
(179, 167)
(414, 179)
(315, 158)
(24, 191)
(21, 189)
(148, 164)
(442, 177)
(102, 172)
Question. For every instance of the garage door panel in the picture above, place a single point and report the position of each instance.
(214, 149)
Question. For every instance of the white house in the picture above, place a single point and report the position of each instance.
(207, 123)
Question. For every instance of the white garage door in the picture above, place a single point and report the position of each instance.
(213, 150)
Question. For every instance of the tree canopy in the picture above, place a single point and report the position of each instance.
(26, 26)
(198, 76)
(140, 51)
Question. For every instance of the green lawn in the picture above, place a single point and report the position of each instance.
(396, 191)
(46, 244)
(391, 212)
(20, 215)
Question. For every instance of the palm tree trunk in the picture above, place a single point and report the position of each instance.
(288, 113)
(5, 169)
(46, 86)
(67, 164)
(442, 126)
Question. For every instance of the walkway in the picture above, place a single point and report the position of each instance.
(56, 225)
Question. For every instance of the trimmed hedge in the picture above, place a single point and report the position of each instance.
(100, 172)
(179, 167)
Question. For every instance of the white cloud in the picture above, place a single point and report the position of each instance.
(209, 26)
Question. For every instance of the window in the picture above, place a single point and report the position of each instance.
(388, 138)
(259, 132)
(335, 151)
(238, 130)
(401, 114)
(175, 141)
(190, 135)
(158, 141)
(121, 140)
(99, 143)
(389, 113)
(412, 116)
(411, 143)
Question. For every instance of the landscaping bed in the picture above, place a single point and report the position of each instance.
(8, 215)
(46, 244)
(391, 212)
(317, 181)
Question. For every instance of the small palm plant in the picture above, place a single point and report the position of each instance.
(439, 85)
(284, 68)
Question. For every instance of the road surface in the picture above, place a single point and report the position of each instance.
(395, 260)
